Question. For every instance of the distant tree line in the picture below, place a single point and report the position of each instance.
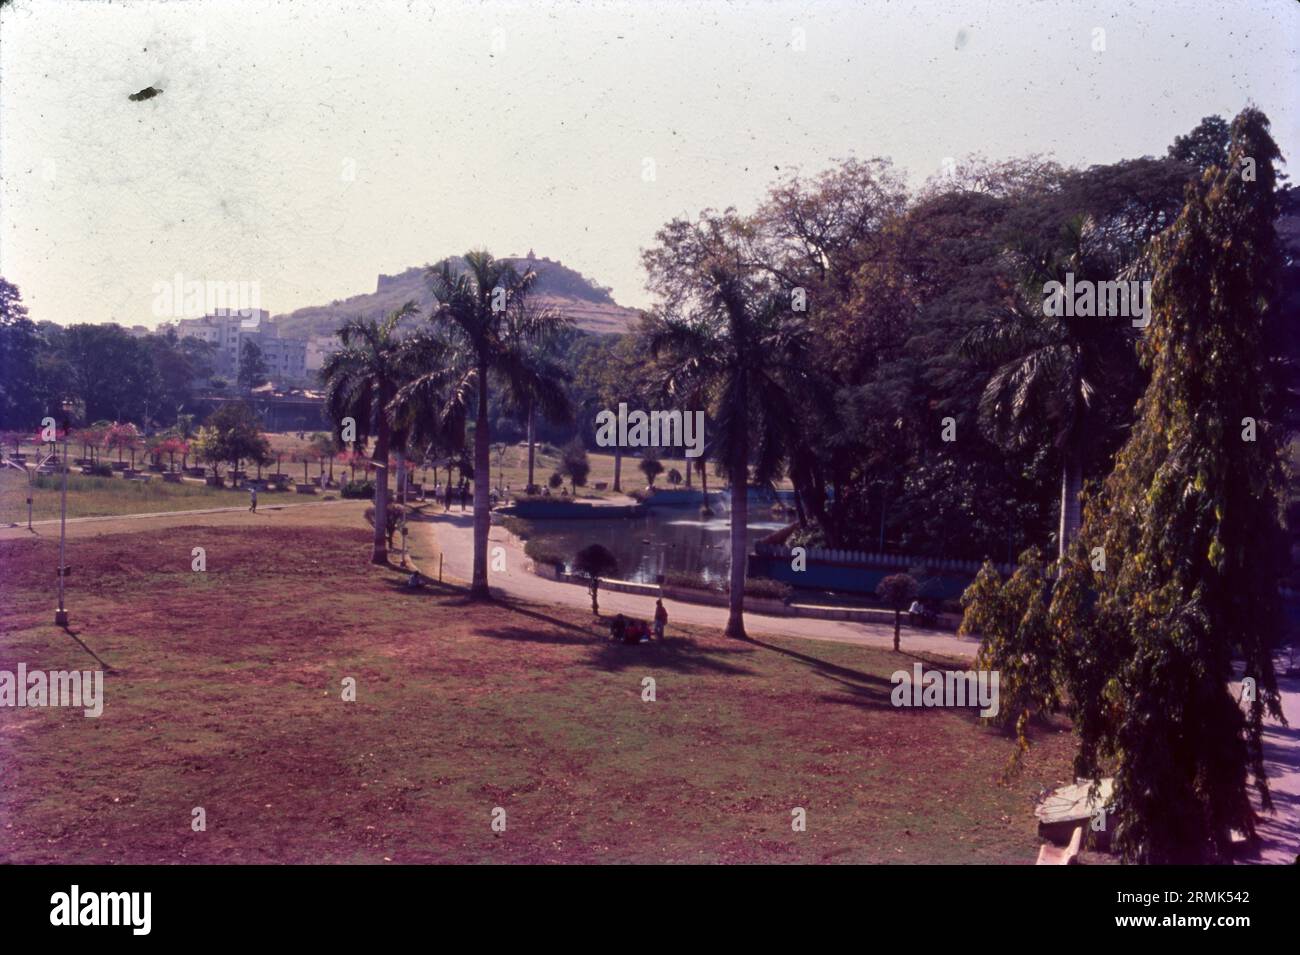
(111, 374)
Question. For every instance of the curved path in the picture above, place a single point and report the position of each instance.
(452, 535)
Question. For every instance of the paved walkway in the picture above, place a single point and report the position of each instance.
(453, 534)
(1280, 833)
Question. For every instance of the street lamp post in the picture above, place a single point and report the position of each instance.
(61, 615)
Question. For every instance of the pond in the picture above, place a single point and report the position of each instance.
(671, 538)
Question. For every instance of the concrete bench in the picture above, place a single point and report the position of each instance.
(1049, 854)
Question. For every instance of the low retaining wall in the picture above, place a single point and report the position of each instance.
(763, 605)
(568, 510)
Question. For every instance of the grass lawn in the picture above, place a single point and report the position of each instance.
(227, 696)
(102, 496)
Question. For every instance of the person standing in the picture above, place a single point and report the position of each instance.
(661, 619)
(252, 498)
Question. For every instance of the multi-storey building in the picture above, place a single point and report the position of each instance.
(228, 329)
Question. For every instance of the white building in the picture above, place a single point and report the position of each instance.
(228, 329)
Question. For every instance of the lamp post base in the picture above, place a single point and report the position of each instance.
(60, 618)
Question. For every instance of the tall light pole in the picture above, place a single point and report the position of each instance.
(61, 615)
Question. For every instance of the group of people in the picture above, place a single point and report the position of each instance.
(629, 630)
(448, 493)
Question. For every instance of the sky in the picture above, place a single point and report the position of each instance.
(304, 147)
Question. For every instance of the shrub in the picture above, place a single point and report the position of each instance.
(358, 489)
(681, 578)
(574, 464)
(101, 469)
(517, 526)
(542, 553)
(393, 519)
(595, 561)
(766, 587)
(651, 468)
(896, 591)
(762, 587)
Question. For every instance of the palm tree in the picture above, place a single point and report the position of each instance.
(742, 346)
(361, 380)
(686, 369)
(1050, 371)
(484, 308)
(543, 390)
(426, 413)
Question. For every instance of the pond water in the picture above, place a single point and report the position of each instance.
(674, 538)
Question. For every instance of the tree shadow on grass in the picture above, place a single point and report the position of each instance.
(522, 634)
(858, 687)
(532, 612)
(675, 654)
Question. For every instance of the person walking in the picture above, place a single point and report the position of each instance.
(661, 619)
(446, 497)
(252, 498)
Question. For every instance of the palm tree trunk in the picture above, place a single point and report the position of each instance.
(532, 445)
(739, 542)
(687, 469)
(379, 550)
(482, 466)
(618, 468)
(1071, 487)
(739, 520)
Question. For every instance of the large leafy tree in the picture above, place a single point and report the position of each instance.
(252, 366)
(361, 380)
(1187, 529)
(23, 386)
(232, 434)
(484, 309)
(1204, 146)
(111, 373)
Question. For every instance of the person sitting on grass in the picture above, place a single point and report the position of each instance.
(638, 632)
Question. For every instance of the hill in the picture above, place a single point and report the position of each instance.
(590, 305)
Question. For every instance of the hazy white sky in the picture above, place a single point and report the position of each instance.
(308, 146)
